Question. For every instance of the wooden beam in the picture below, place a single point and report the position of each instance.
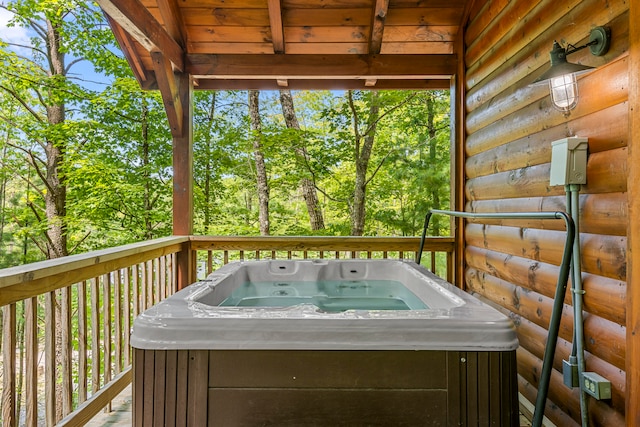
(145, 80)
(172, 17)
(275, 20)
(136, 20)
(380, 8)
(632, 368)
(324, 84)
(320, 67)
(170, 91)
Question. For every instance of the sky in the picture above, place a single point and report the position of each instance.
(21, 36)
(11, 34)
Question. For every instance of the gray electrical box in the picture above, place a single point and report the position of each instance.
(569, 161)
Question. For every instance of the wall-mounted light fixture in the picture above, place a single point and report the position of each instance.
(562, 74)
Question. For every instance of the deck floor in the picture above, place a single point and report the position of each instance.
(121, 415)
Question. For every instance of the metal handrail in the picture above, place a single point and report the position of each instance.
(558, 300)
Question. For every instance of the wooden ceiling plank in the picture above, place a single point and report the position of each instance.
(225, 34)
(277, 31)
(220, 4)
(230, 48)
(170, 90)
(380, 9)
(325, 4)
(326, 17)
(326, 34)
(136, 20)
(229, 17)
(420, 33)
(352, 48)
(321, 66)
(424, 16)
(428, 48)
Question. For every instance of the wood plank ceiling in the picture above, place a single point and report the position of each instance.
(296, 44)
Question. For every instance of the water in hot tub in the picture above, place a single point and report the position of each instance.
(327, 295)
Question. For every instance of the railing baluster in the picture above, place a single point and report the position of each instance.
(162, 272)
(143, 287)
(9, 365)
(433, 262)
(117, 320)
(156, 281)
(82, 341)
(95, 336)
(127, 315)
(31, 365)
(149, 283)
(135, 284)
(106, 339)
(65, 350)
(50, 358)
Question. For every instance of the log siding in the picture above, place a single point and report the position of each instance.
(509, 129)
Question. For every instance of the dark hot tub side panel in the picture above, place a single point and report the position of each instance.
(320, 388)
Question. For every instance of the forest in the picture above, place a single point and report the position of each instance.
(85, 154)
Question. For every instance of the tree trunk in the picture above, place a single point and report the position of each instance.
(431, 134)
(261, 170)
(56, 196)
(307, 185)
(146, 176)
(208, 167)
(362, 154)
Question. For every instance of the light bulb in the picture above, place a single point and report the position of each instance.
(564, 91)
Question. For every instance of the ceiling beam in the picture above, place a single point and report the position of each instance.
(321, 66)
(325, 84)
(136, 20)
(170, 91)
(145, 80)
(377, 25)
(275, 20)
(172, 18)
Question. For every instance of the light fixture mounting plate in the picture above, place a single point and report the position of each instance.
(602, 37)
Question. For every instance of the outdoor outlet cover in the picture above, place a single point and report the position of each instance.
(569, 161)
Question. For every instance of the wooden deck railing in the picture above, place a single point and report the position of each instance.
(66, 322)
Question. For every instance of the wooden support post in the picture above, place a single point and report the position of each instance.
(183, 181)
(633, 194)
(458, 135)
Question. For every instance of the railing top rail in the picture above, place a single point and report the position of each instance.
(45, 276)
(318, 243)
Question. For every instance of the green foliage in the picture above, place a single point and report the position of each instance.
(117, 163)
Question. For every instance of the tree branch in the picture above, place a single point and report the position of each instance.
(22, 102)
(79, 243)
(389, 111)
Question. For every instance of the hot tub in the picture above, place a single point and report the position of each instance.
(324, 342)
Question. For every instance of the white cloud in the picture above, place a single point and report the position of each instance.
(14, 34)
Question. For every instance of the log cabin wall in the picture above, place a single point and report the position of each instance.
(510, 126)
